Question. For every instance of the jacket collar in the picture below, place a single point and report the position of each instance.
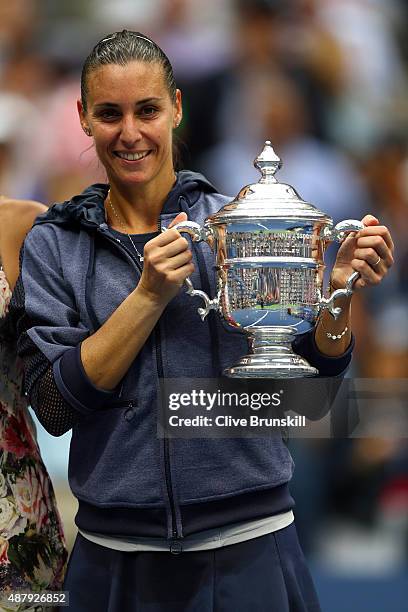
(87, 208)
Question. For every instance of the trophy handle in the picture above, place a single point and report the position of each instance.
(338, 233)
(328, 303)
(198, 234)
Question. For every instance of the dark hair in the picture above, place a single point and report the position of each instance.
(121, 48)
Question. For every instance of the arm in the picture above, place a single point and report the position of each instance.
(68, 373)
(105, 355)
(357, 253)
(360, 252)
(38, 349)
(16, 219)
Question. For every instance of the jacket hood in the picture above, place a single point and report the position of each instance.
(87, 208)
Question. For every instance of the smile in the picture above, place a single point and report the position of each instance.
(132, 156)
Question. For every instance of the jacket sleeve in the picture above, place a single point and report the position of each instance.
(305, 346)
(49, 335)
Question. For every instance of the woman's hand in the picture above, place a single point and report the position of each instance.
(167, 263)
(369, 251)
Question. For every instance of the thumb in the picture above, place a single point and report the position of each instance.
(370, 220)
(180, 217)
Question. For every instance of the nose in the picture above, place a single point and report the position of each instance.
(130, 130)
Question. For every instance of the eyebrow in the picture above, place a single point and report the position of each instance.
(139, 103)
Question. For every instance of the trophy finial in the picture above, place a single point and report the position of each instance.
(268, 163)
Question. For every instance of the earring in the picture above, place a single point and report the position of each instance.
(87, 131)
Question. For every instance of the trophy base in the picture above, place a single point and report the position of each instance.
(271, 356)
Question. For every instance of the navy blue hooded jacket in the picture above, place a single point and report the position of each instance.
(74, 274)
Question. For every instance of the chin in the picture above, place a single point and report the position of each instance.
(134, 178)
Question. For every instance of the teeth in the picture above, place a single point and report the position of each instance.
(132, 156)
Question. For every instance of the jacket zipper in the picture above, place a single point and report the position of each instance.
(159, 362)
(175, 547)
(167, 470)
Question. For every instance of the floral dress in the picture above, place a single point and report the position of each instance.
(32, 546)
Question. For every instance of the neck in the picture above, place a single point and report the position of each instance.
(138, 207)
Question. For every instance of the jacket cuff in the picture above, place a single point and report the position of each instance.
(305, 346)
(74, 385)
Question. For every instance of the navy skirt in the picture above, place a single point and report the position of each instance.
(266, 574)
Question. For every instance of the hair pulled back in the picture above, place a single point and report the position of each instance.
(121, 48)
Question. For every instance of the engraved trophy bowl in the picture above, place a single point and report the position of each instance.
(269, 249)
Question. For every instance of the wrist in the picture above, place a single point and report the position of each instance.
(343, 301)
(149, 299)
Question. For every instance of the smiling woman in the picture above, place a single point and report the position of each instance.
(102, 319)
(130, 108)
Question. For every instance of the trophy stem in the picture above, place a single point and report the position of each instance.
(271, 356)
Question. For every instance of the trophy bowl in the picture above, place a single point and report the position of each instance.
(269, 250)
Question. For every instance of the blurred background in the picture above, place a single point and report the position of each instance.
(326, 81)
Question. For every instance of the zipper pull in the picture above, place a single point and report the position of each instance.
(176, 548)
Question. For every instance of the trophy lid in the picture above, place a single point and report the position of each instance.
(268, 199)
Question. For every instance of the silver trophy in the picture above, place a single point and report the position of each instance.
(269, 246)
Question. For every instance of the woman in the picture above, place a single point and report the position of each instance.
(32, 546)
(102, 319)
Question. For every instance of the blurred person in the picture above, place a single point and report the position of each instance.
(29, 76)
(386, 174)
(97, 270)
(32, 545)
(18, 20)
(312, 49)
(195, 35)
(267, 44)
(310, 44)
(254, 53)
(17, 162)
(66, 162)
(374, 76)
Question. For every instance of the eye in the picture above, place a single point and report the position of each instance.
(108, 114)
(148, 111)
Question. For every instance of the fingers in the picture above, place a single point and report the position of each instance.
(372, 249)
(169, 249)
(179, 245)
(180, 217)
(165, 259)
(180, 260)
(377, 230)
(370, 220)
(180, 275)
(359, 284)
(168, 244)
(373, 254)
(368, 274)
(170, 234)
(370, 256)
(372, 263)
(165, 238)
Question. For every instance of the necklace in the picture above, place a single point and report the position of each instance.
(122, 225)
